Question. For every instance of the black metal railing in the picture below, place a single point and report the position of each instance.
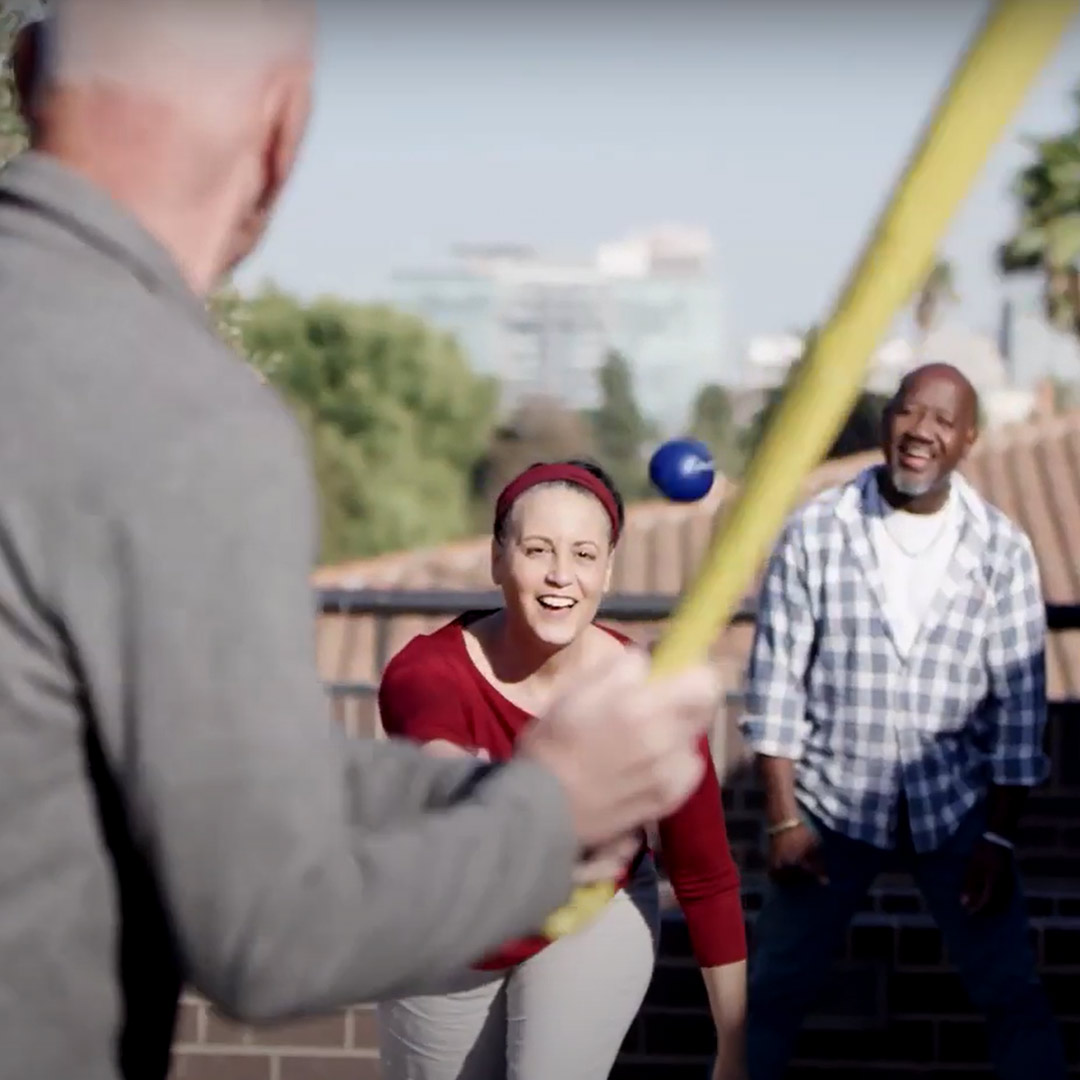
(625, 607)
(386, 604)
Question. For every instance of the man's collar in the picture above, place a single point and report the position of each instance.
(861, 491)
(88, 213)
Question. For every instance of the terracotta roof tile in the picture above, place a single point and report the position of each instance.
(1031, 472)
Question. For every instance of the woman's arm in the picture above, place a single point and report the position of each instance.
(698, 861)
(419, 700)
(726, 987)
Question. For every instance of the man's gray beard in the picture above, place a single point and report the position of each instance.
(913, 489)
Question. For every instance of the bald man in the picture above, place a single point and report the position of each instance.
(175, 804)
(896, 699)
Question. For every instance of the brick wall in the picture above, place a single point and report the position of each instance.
(337, 1047)
(893, 1008)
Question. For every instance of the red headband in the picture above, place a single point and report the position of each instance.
(554, 474)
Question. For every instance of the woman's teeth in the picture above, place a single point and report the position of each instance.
(556, 603)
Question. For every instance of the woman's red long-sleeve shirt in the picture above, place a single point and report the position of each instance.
(432, 690)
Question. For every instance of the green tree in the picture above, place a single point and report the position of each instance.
(1047, 236)
(712, 421)
(540, 429)
(620, 429)
(13, 13)
(936, 293)
(232, 314)
(12, 133)
(396, 420)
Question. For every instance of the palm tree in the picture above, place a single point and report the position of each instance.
(938, 290)
(1047, 238)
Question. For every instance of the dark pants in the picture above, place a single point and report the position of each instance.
(800, 927)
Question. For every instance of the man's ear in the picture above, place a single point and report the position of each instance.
(970, 439)
(290, 104)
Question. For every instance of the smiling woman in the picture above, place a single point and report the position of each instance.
(538, 1009)
(556, 527)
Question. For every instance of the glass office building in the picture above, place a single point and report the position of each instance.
(543, 326)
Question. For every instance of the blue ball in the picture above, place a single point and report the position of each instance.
(683, 470)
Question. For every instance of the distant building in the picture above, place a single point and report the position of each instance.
(980, 358)
(770, 356)
(543, 325)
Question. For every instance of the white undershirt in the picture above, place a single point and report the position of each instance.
(913, 551)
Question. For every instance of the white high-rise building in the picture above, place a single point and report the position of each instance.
(543, 325)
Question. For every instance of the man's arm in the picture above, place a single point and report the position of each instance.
(388, 781)
(1016, 657)
(774, 720)
(299, 872)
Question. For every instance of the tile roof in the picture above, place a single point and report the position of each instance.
(1030, 471)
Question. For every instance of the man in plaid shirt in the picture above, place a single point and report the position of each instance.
(896, 701)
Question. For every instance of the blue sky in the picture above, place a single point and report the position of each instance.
(778, 125)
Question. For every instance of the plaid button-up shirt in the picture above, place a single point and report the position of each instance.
(828, 687)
